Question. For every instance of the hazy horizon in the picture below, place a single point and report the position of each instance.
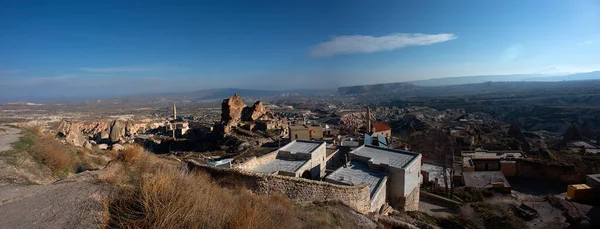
(78, 49)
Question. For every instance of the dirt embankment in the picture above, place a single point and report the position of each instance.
(30, 196)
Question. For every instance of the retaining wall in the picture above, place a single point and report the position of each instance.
(298, 189)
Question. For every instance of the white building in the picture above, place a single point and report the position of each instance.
(393, 176)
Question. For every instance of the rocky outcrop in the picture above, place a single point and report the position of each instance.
(572, 134)
(87, 145)
(515, 131)
(117, 130)
(235, 113)
(256, 112)
(94, 128)
(231, 110)
(71, 133)
(63, 128)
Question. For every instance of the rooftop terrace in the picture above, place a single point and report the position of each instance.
(300, 146)
(277, 164)
(392, 157)
(357, 173)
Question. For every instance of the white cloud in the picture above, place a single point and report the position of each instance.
(588, 42)
(368, 44)
(130, 69)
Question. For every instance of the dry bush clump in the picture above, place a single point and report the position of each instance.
(132, 153)
(53, 154)
(158, 193)
(170, 198)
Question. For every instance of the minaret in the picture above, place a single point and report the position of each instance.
(368, 120)
(174, 112)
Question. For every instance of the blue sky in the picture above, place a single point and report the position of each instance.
(90, 48)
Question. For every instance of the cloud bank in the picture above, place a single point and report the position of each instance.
(369, 44)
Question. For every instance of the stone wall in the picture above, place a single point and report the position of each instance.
(408, 203)
(380, 196)
(559, 173)
(256, 161)
(298, 189)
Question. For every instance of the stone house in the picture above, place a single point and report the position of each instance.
(483, 160)
(305, 132)
(393, 176)
(381, 129)
(299, 158)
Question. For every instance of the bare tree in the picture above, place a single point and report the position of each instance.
(439, 147)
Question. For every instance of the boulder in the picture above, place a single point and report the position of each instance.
(117, 130)
(117, 147)
(87, 145)
(63, 128)
(102, 146)
(74, 136)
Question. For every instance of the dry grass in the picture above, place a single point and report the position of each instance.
(53, 154)
(152, 193)
(170, 198)
(132, 153)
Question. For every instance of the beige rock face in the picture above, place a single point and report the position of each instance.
(232, 110)
(63, 128)
(71, 133)
(256, 112)
(117, 130)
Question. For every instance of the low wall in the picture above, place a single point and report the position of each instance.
(560, 173)
(256, 161)
(298, 189)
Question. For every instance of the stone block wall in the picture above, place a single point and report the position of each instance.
(298, 189)
(256, 161)
(380, 196)
(408, 203)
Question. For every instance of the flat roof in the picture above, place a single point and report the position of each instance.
(302, 146)
(393, 157)
(278, 164)
(484, 179)
(499, 154)
(594, 176)
(357, 173)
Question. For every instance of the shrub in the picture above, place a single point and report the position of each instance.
(169, 198)
(53, 154)
(132, 153)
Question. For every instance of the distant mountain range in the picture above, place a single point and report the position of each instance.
(410, 90)
(504, 78)
(431, 87)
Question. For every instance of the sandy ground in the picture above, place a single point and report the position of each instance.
(72, 203)
(8, 135)
(76, 202)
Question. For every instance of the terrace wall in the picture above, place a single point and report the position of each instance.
(298, 189)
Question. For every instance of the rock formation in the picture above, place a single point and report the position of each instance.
(71, 133)
(515, 131)
(117, 130)
(572, 134)
(231, 110)
(234, 112)
(256, 112)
